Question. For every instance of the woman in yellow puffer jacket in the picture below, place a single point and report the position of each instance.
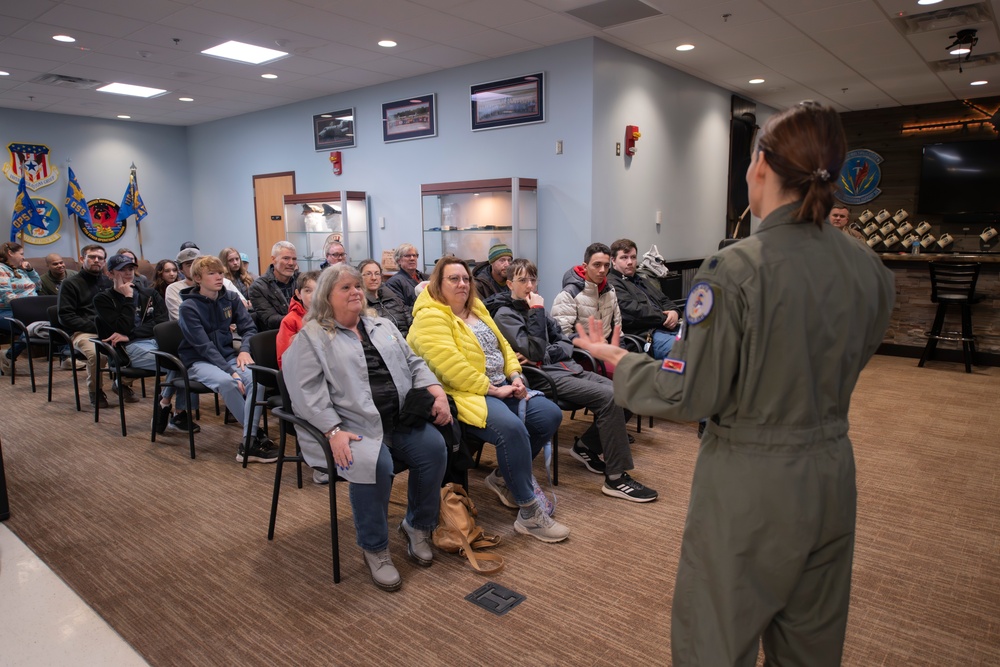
(455, 335)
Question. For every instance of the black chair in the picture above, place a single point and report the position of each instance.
(117, 370)
(953, 285)
(634, 343)
(168, 338)
(25, 311)
(59, 338)
(264, 394)
(288, 423)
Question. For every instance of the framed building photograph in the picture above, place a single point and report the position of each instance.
(412, 118)
(516, 101)
(334, 130)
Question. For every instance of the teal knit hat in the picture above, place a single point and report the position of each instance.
(498, 251)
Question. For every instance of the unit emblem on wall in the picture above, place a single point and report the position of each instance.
(103, 226)
(31, 160)
(860, 176)
(52, 218)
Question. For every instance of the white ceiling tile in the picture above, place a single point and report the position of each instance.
(551, 29)
(36, 40)
(443, 56)
(399, 67)
(654, 30)
(792, 7)
(932, 45)
(74, 19)
(437, 27)
(268, 12)
(27, 10)
(376, 12)
(339, 54)
(709, 17)
(302, 65)
(840, 17)
(159, 36)
(124, 48)
(9, 25)
(146, 10)
(222, 26)
(337, 29)
(495, 14)
(358, 77)
(492, 43)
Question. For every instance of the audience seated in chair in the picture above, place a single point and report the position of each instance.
(646, 312)
(348, 375)
(291, 324)
(173, 293)
(404, 282)
(383, 300)
(273, 291)
(207, 312)
(491, 275)
(56, 272)
(537, 338)
(17, 280)
(237, 272)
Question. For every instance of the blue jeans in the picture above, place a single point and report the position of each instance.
(222, 382)
(423, 450)
(518, 442)
(663, 342)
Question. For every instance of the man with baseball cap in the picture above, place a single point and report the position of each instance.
(126, 315)
(491, 275)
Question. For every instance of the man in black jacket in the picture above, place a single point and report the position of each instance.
(271, 293)
(646, 312)
(76, 310)
(538, 340)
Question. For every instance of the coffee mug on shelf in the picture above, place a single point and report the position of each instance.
(928, 240)
(904, 228)
(988, 233)
(900, 215)
(891, 240)
(866, 216)
(946, 240)
(870, 228)
(874, 240)
(887, 228)
(910, 239)
(883, 215)
(923, 228)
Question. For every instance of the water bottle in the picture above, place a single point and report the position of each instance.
(915, 248)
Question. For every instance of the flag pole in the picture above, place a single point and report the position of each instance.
(138, 227)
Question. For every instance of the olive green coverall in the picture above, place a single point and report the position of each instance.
(777, 329)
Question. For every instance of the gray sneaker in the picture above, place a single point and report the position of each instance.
(495, 483)
(541, 526)
(384, 573)
(418, 544)
(320, 477)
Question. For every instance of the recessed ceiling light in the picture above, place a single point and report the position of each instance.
(961, 51)
(387, 43)
(244, 53)
(928, 2)
(981, 82)
(186, 99)
(756, 81)
(685, 47)
(63, 38)
(129, 89)
(3, 73)
(269, 76)
(123, 116)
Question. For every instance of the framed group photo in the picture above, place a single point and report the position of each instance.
(516, 101)
(334, 130)
(412, 118)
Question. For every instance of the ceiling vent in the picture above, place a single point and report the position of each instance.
(944, 19)
(952, 64)
(61, 81)
(614, 12)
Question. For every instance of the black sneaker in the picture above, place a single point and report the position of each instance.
(262, 450)
(629, 489)
(180, 422)
(587, 458)
(164, 421)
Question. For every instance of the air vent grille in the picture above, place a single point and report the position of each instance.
(62, 81)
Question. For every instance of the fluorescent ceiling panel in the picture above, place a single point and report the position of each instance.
(244, 53)
(129, 89)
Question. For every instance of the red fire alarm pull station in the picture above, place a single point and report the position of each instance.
(631, 136)
(337, 162)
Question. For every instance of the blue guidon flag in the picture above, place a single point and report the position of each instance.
(24, 214)
(76, 203)
(859, 177)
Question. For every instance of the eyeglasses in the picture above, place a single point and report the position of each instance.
(455, 280)
(371, 274)
(411, 256)
(522, 281)
(336, 255)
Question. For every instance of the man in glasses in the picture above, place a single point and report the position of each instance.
(335, 254)
(405, 281)
(77, 313)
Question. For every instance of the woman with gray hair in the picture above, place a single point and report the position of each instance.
(405, 282)
(348, 374)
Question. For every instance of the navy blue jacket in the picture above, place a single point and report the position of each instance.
(205, 325)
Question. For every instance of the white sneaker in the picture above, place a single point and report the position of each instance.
(541, 526)
(496, 484)
(320, 477)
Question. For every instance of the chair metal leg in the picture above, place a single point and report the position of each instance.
(334, 542)
(279, 464)
(121, 404)
(555, 458)
(968, 342)
(31, 368)
(97, 387)
(156, 408)
(932, 340)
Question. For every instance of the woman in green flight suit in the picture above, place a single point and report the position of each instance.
(777, 329)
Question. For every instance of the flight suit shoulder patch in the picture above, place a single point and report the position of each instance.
(699, 303)
(673, 366)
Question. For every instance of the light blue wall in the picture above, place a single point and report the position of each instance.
(101, 152)
(224, 155)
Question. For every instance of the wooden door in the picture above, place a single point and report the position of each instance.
(269, 191)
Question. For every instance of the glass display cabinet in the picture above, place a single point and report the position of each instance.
(313, 218)
(465, 218)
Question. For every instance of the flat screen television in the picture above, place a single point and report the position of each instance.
(961, 177)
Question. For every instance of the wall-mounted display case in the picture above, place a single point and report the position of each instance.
(312, 218)
(465, 218)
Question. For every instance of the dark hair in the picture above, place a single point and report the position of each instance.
(805, 147)
(837, 204)
(189, 244)
(622, 245)
(6, 249)
(521, 265)
(365, 262)
(593, 249)
(159, 284)
(93, 246)
(300, 282)
(437, 277)
(122, 251)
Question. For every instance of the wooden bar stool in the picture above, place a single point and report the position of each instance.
(953, 285)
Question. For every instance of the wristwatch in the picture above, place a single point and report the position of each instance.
(513, 376)
(332, 432)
